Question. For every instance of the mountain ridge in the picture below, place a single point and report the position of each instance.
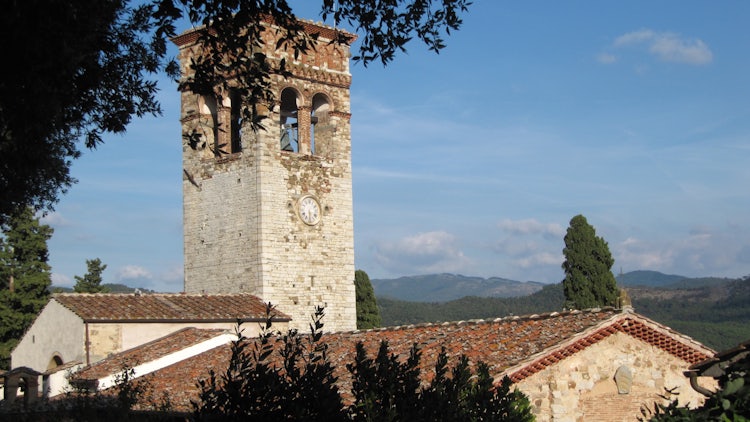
(444, 287)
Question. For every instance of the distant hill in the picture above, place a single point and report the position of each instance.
(445, 287)
(399, 312)
(666, 281)
(714, 311)
(648, 279)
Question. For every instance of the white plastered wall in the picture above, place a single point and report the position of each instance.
(57, 331)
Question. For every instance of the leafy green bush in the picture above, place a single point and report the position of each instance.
(299, 384)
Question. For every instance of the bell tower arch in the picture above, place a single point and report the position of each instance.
(269, 212)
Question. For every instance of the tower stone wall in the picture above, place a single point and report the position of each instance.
(247, 222)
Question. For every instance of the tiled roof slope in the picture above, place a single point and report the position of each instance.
(165, 307)
(147, 352)
(518, 346)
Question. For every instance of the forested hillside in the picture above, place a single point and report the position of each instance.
(399, 312)
(717, 315)
(445, 287)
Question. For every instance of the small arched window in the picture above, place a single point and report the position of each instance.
(209, 111)
(288, 120)
(235, 120)
(320, 125)
(54, 362)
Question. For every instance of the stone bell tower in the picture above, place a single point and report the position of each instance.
(269, 212)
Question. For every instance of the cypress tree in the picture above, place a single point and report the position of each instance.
(24, 277)
(91, 282)
(368, 314)
(589, 281)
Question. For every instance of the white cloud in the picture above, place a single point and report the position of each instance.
(606, 58)
(634, 37)
(702, 251)
(541, 258)
(429, 252)
(54, 219)
(61, 280)
(529, 247)
(531, 226)
(668, 46)
(175, 273)
(131, 272)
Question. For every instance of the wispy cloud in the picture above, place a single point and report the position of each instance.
(666, 46)
(531, 226)
(530, 244)
(429, 252)
(55, 219)
(704, 250)
(606, 58)
(132, 272)
(61, 280)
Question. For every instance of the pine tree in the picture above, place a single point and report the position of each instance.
(91, 282)
(24, 277)
(368, 314)
(589, 281)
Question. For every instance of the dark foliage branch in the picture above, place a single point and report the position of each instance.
(80, 69)
(289, 377)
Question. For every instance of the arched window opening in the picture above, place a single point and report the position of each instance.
(235, 120)
(320, 127)
(289, 125)
(54, 362)
(209, 111)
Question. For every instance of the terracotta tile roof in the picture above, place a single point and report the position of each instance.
(518, 346)
(635, 325)
(165, 307)
(147, 352)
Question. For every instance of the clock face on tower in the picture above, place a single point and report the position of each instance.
(309, 210)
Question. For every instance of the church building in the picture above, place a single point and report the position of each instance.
(268, 218)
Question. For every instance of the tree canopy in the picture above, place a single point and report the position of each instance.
(368, 313)
(84, 68)
(24, 277)
(91, 282)
(589, 281)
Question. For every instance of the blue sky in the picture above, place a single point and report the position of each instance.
(635, 114)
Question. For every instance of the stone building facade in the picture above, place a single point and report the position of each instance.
(269, 212)
(576, 366)
(86, 328)
(611, 380)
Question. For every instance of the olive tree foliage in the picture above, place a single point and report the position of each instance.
(589, 281)
(91, 282)
(368, 314)
(84, 68)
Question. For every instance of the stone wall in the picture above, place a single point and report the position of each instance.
(582, 387)
(242, 229)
